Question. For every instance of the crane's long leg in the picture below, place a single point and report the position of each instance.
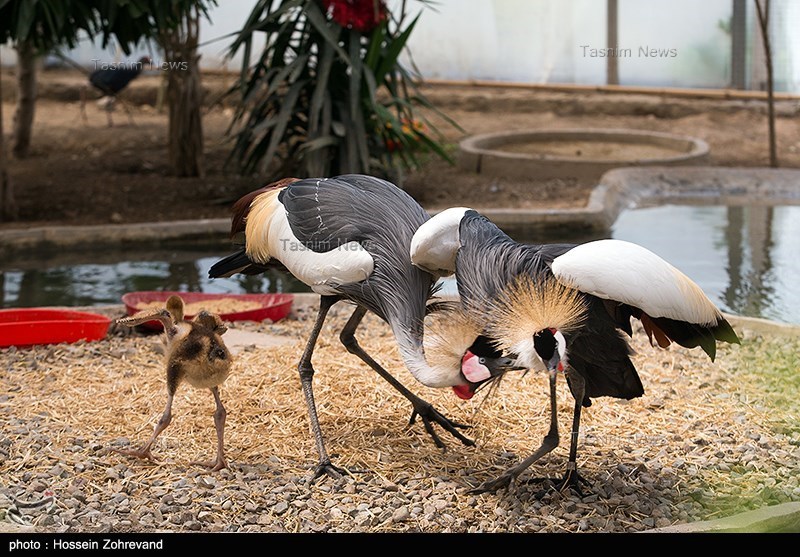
(219, 424)
(163, 422)
(549, 443)
(424, 409)
(571, 477)
(306, 375)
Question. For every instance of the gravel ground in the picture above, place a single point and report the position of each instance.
(707, 440)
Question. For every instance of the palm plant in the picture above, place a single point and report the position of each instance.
(327, 94)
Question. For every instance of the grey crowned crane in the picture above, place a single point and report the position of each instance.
(348, 238)
(565, 308)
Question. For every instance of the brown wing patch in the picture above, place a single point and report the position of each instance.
(242, 207)
(653, 331)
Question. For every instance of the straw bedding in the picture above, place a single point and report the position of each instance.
(706, 440)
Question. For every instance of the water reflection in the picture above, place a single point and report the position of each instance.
(87, 279)
(744, 257)
(749, 240)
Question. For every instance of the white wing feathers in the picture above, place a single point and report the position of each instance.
(628, 273)
(269, 235)
(436, 242)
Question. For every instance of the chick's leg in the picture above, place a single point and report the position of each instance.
(219, 423)
(144, 451)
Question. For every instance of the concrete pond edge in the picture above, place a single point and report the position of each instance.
(618, 190)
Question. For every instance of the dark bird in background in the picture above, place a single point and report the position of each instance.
(110, 82)
(348, 238)
(196, 354)
(566, 308)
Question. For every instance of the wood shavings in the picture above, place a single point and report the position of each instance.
(219, 306)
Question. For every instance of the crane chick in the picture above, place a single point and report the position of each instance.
(195, 353)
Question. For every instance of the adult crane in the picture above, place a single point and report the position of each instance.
(348, 238)
(565, 307)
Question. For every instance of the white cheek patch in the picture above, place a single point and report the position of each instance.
(474, 371)
(561, 346)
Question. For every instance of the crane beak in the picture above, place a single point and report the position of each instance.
(554, 364)
(497, 368)
(500, 366)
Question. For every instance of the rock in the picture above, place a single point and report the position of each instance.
(335, 513)
(281, 507)
(207, 482)
(362, 518)
(78, 495)
(38, 486)
(401, 514)
(56, 471)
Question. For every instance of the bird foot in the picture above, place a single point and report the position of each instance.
(212, 465)
(505, 480)
(571, 479)
(326, 468)
(429, 414)
(143, 454)
(574, 480)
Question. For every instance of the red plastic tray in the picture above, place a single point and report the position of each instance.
(29, 326)
(273, 306)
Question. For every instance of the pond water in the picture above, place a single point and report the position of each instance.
(746, 259)
(97, 278)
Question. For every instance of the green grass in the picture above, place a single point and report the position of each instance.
(764, 379)
(767, 374)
